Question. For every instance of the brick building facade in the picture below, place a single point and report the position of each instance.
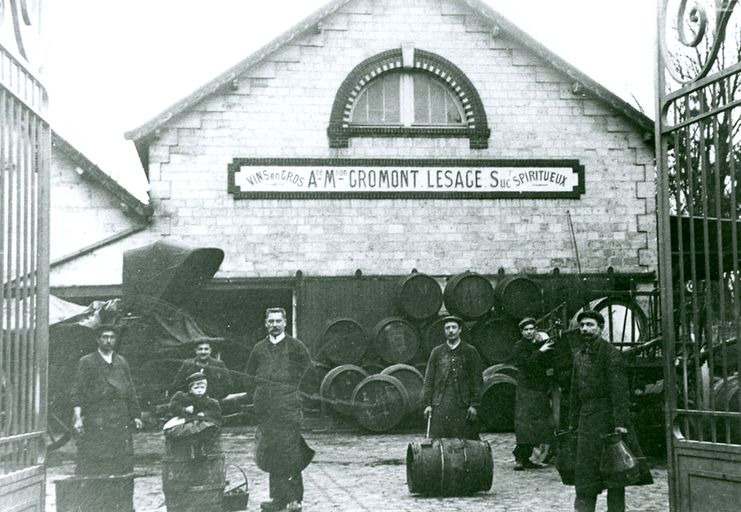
(291, 104)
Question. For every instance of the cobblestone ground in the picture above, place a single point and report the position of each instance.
(361, 473)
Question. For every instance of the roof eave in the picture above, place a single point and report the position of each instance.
(147, 132)
(128, 203)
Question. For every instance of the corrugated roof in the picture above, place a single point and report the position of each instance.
(582, 82)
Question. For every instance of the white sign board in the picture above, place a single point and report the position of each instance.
(312, 178)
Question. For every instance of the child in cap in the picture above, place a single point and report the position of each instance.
(196, 417)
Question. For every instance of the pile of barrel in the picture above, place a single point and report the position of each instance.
(376, 378)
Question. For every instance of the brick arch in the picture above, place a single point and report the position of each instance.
(340, 130)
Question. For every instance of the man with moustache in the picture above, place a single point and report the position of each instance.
(452, 386)
(105, 409)
(599, 406)
(219, 380)
(275, 367)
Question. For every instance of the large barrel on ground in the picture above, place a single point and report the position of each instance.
(419, 296)
(519, 296)
(395, 340)
(338, 385)
(380, 402)
(343, 341)
(114, 493)
(506, 369)
(193, 484)
(495, 337)
(310, 385)
(412, 379)
(497, 408)
(449, 467)
(433, 334)
(468, 295)
(725, 394)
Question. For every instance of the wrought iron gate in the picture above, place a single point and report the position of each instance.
(24, 262)
(698, 133)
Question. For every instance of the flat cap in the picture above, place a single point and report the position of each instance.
(453, 318)
(594, 315)
(195, 377)
(526, 321)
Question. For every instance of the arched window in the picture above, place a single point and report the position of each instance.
(407, 99)
(392, 95)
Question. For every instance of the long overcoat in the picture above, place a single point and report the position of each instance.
(106, 396)
(275, 370)
(451, 385)
(600, 401)
(533, 413)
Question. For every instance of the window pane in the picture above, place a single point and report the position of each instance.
(378, 102)
(360, 111)
(421, 100)
(391, 96)
(375, 102)
(434, 103)
(453, 112)
(437, 104)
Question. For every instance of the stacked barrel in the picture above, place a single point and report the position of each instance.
(374, 375)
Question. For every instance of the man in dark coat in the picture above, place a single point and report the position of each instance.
(599, 406)
(533, 414)
(452, 386)
(219, 380)
(275, 367)
(105, 410)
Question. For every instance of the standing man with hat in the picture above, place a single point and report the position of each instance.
(219, 380)
(105, 410)
(275, 367)
(533, 414)
(452, 386)
(599, 406)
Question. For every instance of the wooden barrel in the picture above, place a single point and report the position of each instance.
(519, 296)
(395, 340)
(725, 393)
(449, 467)
(380, 402)
(343, 341)
(114, 493)
(338, 385)
(506, 369)
(469, 296)
(419, 297)
(193, 484)
(433, 334)
(373, 368)
(495, 338)
(310, 385)
(412, 380)
(497, 408)
(625, 321)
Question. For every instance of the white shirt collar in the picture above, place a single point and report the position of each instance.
(451, 347)
(277, 339)
(107, 358)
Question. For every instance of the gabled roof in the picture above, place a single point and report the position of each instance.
(582, 83)
(128, 203)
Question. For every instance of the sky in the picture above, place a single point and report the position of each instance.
(112, 65)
